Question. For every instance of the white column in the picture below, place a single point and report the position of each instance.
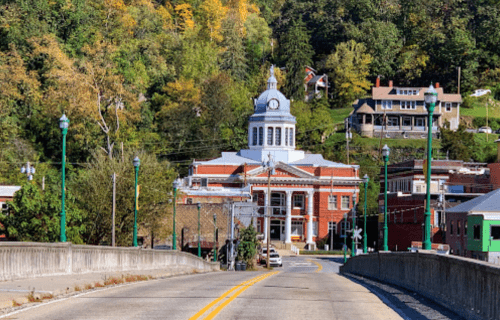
(310, 196)
(266, 199)
(288, 221)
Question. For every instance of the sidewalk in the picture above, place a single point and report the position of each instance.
(19, 290)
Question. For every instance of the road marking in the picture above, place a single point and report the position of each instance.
(320, 267)
(237, 293)
(225, 294)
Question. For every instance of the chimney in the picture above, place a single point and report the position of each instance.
(437, 85)
(377, 82)
(390, 83)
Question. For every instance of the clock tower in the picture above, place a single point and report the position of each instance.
(271, 129)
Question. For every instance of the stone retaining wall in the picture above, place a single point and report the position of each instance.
(469, 287)
(21, 260)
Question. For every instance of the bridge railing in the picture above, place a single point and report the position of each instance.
(469, 287)
(20, 260)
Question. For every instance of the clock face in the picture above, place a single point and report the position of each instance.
(273, 104)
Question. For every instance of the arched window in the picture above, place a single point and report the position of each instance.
(261, 136)
(286, 136)
(278, 136)
(254, 136)
(270, 136)
(291, 137)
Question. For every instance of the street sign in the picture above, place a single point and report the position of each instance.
(357, 233)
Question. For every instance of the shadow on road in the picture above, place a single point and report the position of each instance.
(408, 304)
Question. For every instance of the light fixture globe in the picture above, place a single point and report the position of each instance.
(354, 197)
(23, 170)
(430, 96)
(136, 162)
(176, 183)
(198, 205)
(366, 178)
(64, 122)
(386, 151)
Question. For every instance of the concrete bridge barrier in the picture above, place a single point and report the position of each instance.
(21, 260)
(469, 287)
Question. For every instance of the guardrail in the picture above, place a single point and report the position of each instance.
(20, 260)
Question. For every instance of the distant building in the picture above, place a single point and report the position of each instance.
(6, 194)
(309, 194)
(315, 84)
(400, 112)
(406, 194)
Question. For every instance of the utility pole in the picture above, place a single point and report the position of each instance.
(347, 136)
(268, 216)
(459, 71)
(114, 210)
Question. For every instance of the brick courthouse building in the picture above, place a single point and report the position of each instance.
(309, 194)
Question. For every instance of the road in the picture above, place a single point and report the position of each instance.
(304, 288)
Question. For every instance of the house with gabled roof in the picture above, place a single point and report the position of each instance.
(309, 195)
(400, 112)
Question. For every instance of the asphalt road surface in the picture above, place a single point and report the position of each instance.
(304, 288)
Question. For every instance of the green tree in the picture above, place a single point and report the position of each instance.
(247, 249)
(297, 54)
(458, 143)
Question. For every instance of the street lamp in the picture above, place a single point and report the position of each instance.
(137, 163)
(385, 153)
(430, 97)
(199, 226)
(176, 185)
(353, 243)
(345, 237)
(270, 167)
(29, 170)
(63, 124)
(215, 237)
(366, 180)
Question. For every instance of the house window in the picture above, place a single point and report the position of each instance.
(392, 121)
(477, 232)
(259, 226)
(368, 119)
(406, 121)
(315, 228)
(419, 122)
(255, 197)
(298, 201)
(254, 136)
(204, 182)
(286, 136)
(332, 227)
(261, 136)
(270, 136)
(408, 105)
(451, 227)
(345, 202)
(458, 227)
(291, 137)
(386, 104)
(447, 106)
(344, 225)
(189, 201)
(297, 229)
(332, 202)
(495, 232)
(278, 136)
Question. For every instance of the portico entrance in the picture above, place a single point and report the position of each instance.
(277, 230)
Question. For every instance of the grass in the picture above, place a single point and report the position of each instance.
(374, 143)
(32, 298)
(476, 107)
(16, 304)
(88, 286)
(47, 296)
(77, 288)
(98, 285)
(113, 281)
(338, 115)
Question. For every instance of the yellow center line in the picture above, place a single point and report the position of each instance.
(320, 267)
(225, 294)
(225, 303)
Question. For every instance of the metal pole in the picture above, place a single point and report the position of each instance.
(135, 207)
(174, 235)
(365, 240)
(427, 215)
(114, 208)
(63, 196)
(353, 243)
(385, 247)
(268, 215)
(215, 237)
(345, 237)
(199, 230)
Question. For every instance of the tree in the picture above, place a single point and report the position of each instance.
(247, 249)
(458, 143)
(349, 65)
(213, 14)
(297, 54)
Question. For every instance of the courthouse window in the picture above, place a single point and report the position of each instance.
(332, 202)
(345, 202)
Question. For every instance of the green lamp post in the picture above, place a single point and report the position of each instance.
(345, 237)
(215, 237)
(430, 97)
(385, 153)
(176, 185)
(199, 231)
(365, 240)
(63, 124)
(137, 163)
(353, 243)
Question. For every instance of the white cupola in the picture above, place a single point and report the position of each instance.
(271, 129)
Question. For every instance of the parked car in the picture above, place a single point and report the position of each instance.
(275, 260)
(480, 92)
(263, 254)
(484, 130)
